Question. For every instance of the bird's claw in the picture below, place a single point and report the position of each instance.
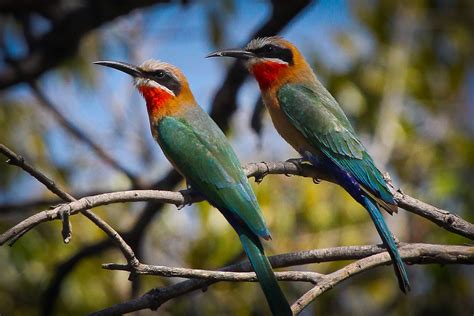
(181, 206)
(259, 178)
(296, 161)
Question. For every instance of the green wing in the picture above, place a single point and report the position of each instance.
(201, 152)
(321, 121)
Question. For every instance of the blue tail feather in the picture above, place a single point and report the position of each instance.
(254, 250)
(389, 242)
(350, 184)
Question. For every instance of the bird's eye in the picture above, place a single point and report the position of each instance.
(160, 74)
(269, 48)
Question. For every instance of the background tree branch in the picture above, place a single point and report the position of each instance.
(69, 25)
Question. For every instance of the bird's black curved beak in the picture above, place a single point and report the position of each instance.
(130, 69)
(236, 53)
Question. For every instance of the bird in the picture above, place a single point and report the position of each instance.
(201, 153)
(310, 119)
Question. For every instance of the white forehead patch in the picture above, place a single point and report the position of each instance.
(154, 64)
(262, 41)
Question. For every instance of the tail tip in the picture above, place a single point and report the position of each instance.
(405, 287)
(265, 234)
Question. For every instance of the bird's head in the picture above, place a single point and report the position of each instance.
(272, 60)
(163, 86)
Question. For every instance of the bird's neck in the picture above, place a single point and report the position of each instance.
(157, 100)
(268, 73)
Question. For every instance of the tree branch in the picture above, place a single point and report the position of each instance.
(412, 253)
(443, 218)
(369, 256)
(173, 272)
(16, 160)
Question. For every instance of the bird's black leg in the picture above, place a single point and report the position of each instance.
(308, 157)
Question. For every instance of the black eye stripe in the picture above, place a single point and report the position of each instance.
(265, 49)
(157, 73)
(273, 51)
(165, 79)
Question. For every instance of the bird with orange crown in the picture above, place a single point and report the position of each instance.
(307, 116)
(199, 150)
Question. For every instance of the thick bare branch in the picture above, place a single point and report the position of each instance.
(94, 201)
(257, 170)
(442, 218)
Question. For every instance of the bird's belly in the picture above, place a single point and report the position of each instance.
(288, 131)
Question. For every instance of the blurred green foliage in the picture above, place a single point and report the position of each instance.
(431, 157)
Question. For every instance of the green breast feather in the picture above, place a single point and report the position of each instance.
(323, 123)
(201, 152)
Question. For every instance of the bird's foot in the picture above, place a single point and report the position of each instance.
(189, 196)
(296, 161)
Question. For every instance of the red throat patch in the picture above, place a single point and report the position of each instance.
(155, 98)
(267, 72)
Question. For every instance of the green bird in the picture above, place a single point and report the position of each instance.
(307, 116)
(199, 150)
